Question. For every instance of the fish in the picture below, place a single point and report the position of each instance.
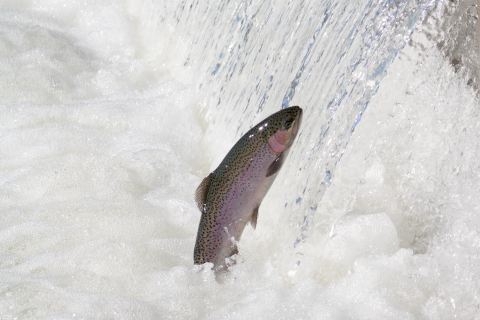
(230, 196)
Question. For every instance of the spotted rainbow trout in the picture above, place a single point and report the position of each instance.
(229, 197)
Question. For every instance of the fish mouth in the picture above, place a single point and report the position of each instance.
(297, 122)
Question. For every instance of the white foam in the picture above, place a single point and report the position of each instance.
(102, 151)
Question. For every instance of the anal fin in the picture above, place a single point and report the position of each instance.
(253, 220)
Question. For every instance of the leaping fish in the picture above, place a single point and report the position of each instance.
(230, 196)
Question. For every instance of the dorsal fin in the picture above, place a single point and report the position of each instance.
(253, 219)
(201, 192)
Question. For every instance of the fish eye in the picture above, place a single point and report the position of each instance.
(287, 123)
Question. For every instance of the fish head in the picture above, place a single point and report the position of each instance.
(282, 128)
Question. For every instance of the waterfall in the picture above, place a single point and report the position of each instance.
(251, 58)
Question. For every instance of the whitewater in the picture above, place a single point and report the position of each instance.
(112, 113)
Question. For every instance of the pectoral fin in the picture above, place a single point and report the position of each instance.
(253, 220)
(202, 190)
(277, 164)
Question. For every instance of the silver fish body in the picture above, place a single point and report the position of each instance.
(230, 196)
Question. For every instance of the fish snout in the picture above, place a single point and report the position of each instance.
(297, 123)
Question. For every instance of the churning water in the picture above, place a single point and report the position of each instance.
(113, 112)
